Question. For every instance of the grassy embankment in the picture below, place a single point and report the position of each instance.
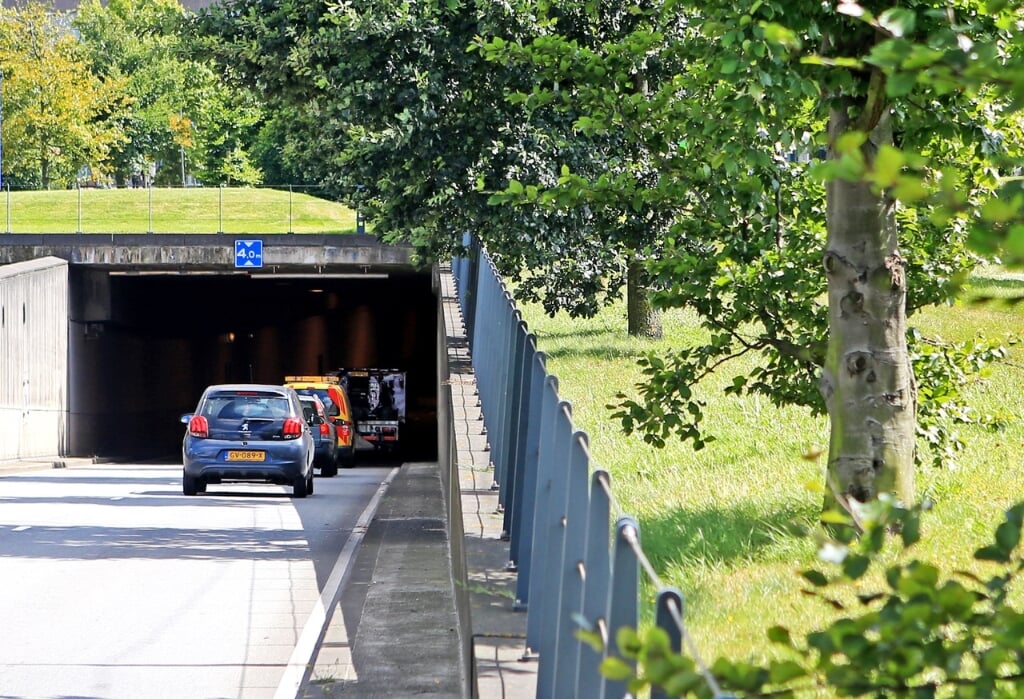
(723, 524)
(251, 210)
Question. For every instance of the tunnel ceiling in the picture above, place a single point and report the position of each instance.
(189, 305)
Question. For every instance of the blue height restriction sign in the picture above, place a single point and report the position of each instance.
(248, 253)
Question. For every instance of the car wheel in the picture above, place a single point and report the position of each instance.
(330, 471)
(190, 485)
(348, 461)
(309, 483)
(300, 488)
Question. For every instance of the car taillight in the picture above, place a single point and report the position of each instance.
(199, 427)
(325, 429)
(292, 428)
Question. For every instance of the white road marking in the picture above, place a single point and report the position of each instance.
(302, 655)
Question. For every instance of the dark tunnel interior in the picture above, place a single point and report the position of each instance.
(163, 338)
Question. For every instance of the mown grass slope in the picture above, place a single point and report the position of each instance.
(726, 524)
(173, 210)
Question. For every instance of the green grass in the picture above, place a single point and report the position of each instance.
(172, 210)
(724, 524)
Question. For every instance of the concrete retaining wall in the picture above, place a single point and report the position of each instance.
(34, 359)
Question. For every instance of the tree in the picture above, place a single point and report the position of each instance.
(766, 230)
(177, 110)
(51, 100)
(390, 110)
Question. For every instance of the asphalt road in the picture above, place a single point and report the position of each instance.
(113, 584)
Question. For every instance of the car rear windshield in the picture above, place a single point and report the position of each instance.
(308, 407)
(249, 404)
(322, 394)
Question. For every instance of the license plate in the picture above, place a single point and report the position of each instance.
(246, 456)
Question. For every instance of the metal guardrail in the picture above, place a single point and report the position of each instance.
(572, 566)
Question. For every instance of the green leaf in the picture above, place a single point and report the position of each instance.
(628, 641)
(898, 21)
(780, 635)
(1008, 536)
(888, 164)
(855, 566)
(815, 577)
(683, 682)
(781, 672)
(616, 669)
(991, 554)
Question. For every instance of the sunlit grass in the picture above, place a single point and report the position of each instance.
(173, 210)
(726, 524)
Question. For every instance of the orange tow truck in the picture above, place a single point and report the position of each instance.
(331, 391)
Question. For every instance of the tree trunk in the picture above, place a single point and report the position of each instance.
(867, 382)
(642, 319)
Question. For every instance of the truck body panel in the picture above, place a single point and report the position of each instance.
(378, 405)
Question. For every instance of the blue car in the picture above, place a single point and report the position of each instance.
(325, 435)
(248, 433)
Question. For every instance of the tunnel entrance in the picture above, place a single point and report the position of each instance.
(142, 360)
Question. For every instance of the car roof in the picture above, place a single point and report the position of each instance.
(265, 387)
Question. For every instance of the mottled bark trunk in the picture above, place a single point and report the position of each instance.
(867, 381)
(642, 319)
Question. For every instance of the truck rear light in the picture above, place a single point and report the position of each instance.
(199, 427)
(344, 431)
(292, 428)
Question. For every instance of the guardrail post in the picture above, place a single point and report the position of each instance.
(624, 600)
(507, 320)
(667, 616)
(469, 293)
(512, 429)
(78, 186)
(539, 423)
(527, 444)
(482, 355)
(574, 543)
(149, 205)
(547, 456)
(549, 545)
(597, 574)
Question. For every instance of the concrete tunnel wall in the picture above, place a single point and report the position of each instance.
(33, 358)
(139, 349)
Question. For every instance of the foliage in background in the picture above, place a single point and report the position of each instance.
(54, 107)
(180, 117)
(113, 95)
(386, 105)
